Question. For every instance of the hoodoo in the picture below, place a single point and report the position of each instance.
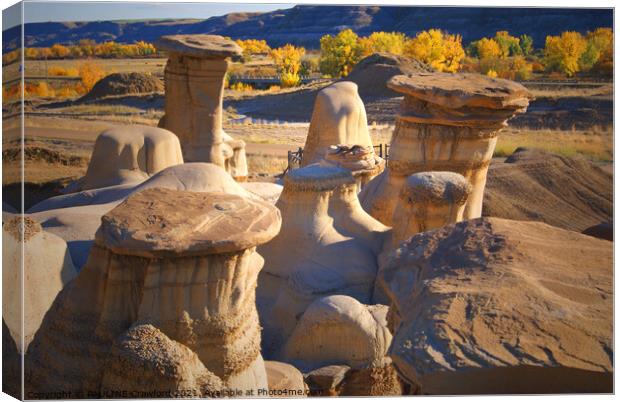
(189, 273)
(338, 118)
(194, 78)
(310, 258)
(447, 122)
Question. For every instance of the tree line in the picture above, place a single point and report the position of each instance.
(502, 55)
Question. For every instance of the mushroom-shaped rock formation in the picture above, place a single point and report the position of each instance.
(338, 117)
(144, 362)
(447, 122)
(339, 330)
(47, 268)
(310, 258)
(429, 200)
(130, 154)
(76, 217)
(497, 306)
(180, 261)
(362, 161)
(194, 78)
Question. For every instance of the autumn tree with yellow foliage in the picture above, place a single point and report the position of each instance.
(251, 47)
(288, 61)
(563, 52)
(339, 53)
(440, 50)
(388, 42)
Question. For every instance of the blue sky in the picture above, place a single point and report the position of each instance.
(100, 11)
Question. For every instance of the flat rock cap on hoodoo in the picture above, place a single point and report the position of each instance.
(160, 222)
(459, 90)
(202, 46)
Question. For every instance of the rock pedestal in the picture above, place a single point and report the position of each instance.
(310, 258)
(194, 78)
(447, 122)
(183, 263)
(338, 117)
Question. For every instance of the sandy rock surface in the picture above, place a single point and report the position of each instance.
(149, 223)
(202, 46)
(339, 330)
(130, 154)
(497, 306)
(47, 269)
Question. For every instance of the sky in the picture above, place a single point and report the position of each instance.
(44, 11)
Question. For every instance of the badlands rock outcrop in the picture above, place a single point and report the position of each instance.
(310, 258)
(568, 192)
(130, 154)
(194, 78)
(338, 118)
(47, 268)
(447, 122)
(188, 272)
(497, 306)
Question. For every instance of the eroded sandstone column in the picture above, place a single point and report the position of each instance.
(194, 79)
(312, 257)
(338, 118)
(181, 262)
(447, 122)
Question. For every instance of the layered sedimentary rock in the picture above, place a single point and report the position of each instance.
(47, 269)
(338, 118)
(310, 258)
(130, 154)
(429, 200)
(182, 262)
(362, 161)
(194, 78)
(447, 122)
(497, 306)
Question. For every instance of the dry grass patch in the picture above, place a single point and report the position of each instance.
(595, 144)
(266, 164)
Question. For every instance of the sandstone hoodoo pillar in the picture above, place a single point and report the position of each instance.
(447, 122)
(194, 79)
(313, 256)
(338, 118)
(185, 275)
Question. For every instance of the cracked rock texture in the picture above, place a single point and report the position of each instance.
(498, 306)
